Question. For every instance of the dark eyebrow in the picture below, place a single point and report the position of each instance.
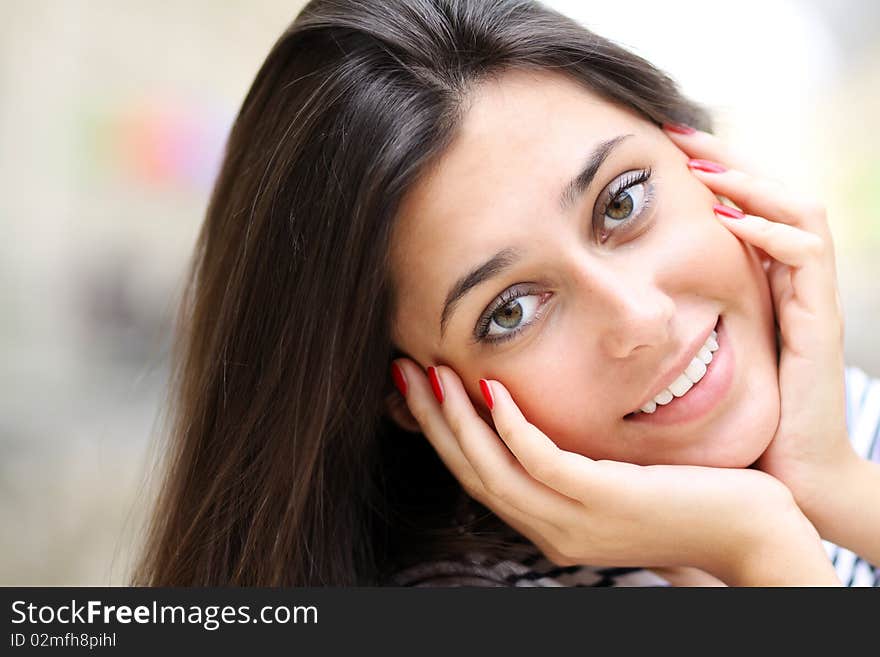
(581, 182)
(507, 257)
(502, 260)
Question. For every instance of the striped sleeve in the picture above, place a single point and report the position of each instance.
(863, 426)
(863, 412)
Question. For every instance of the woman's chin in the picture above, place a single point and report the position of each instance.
(736, 447)
(736, 456)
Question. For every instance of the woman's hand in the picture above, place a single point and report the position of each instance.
(742, 526)
(810, 451)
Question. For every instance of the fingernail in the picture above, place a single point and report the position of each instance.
(435, 383)
(728, 211)
(679, 128)
(706, 165)
(399, 378)
(487, 393)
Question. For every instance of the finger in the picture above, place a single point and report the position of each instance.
(762, 197)
(793, 246)
(425, 409)
(571, 474)
(503, 476)
(704, 145)
(811, 279)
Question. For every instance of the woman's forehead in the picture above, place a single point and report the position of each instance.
(520, 137)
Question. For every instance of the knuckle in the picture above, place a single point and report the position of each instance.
(770, 188)
(473, 487)
(558, 558)
(503, 428)
(749, 196)
(815, 246)
(774, 184)
(769, 228)
(545, 470)
(566, 553)
(534, 433)
(455, 422)
(813, 208)
(419, 412)
(495, 487)
(546, 545)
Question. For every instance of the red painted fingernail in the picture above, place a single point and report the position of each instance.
(679, 128)
(487, 393)
(399, 379)
(706, 165)
(728, 211)
(435, 383)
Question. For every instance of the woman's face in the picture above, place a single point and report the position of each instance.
(597, 302)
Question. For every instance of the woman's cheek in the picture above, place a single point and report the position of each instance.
(555, 396)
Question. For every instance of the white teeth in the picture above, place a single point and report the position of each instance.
(664, 397)
(681, 385)
(694, 372)
(704, 355)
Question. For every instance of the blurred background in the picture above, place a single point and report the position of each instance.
(113, 118)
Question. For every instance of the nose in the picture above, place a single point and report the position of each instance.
(635, 313)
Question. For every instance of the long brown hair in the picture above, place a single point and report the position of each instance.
(281, 467)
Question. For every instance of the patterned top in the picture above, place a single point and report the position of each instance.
(863, 425)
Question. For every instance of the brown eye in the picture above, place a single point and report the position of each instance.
(625, 206)
(509, 316)
(620, 207)
(512, 312)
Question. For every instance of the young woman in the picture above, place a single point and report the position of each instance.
(539, 232)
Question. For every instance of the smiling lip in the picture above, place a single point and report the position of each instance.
(679, 366)
(703, 396)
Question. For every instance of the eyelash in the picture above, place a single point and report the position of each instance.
(513, 293)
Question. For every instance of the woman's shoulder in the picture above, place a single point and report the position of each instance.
(534, 570)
